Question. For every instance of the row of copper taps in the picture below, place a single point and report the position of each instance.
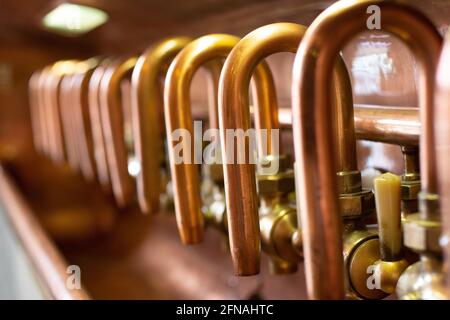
(321, 214)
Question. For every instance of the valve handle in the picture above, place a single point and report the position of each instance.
(387, 199)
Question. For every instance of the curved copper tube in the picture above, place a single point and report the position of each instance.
(66, 96)
(113, 128)
(442, 132)
(42, 110)
(53, 83)
(234, 113)
(178, 115)
(98, 138)
(36, 125)
(147, 115)
(240, 180)
(81, 116)
(316, 179)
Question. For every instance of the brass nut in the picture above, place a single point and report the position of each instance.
(410, 190)
(267, 162)
(421, 235)
(357, 204)
(349, 181)
(283, 182)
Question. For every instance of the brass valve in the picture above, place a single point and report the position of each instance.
(424, 279)
(277, 217)
(374, 260)
(410, 180)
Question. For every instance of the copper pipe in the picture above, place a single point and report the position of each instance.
(42, 110)
(343, 125)
(147, 115)
(234, 113)
(54, 117)
(98, 137)
(81, 106)
(66, 103)
(442, 131)
(316, 179)
(113, 127)
(200, 52)
(395, 125)
(240, 178)
(33, 97)
(388, 124)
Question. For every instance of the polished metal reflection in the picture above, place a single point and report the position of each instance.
(147, 108)
(203, 51)
(98, 136)
(316, 181)
(240, 184)
(442, 131)
(112, 118)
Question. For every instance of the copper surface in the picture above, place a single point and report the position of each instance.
(147, 117)
(442, 131)
(52, 85)
(113, 127)
(66, 97)
(36, 125)
(83, 125)
(98, 137)
(316, 179)
(201, 52)
(240, 183)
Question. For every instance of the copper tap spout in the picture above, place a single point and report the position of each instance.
(43, 110)
(66, 97)
(147, 116)
(240, 183)
(82, 76)
(36, 125)
(316, 178)
(98, 137)
(113, 125)
(206, 51)
(52, 87)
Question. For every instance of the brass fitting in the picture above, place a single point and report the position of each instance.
(214, 209)
(421, 231)
(390, 273)
(361, 251)
(410, 179)
(277, 230)
(355, 203)
(423, 280)
(282, 182)
(278, 218)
